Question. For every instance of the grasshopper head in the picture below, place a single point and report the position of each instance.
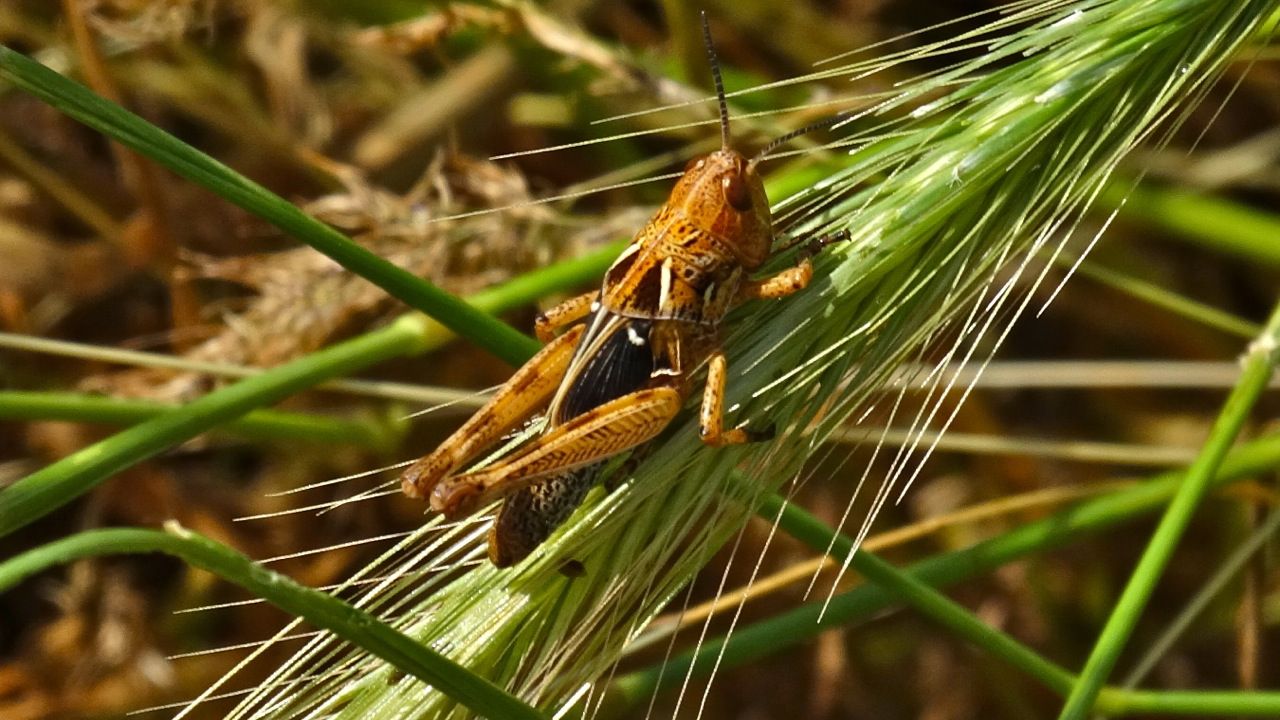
(723, 194)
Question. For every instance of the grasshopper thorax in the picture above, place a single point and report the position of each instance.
(689, 260)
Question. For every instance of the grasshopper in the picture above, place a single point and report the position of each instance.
(623, 365)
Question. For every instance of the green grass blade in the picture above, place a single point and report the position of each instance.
(318, 608)
(1106, 651)
(1162, 298)
(1197, 704)
(1212, 589)
(817, 535)
(961, 622)
(63, 481)
(530, 286)
(803, 623)
(367, 432)
(119, 124)
(563, 276)
(57, 484)
(1214, 223)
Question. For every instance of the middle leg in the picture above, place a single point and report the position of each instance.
(711, 418)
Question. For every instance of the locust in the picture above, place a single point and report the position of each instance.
(619, 362)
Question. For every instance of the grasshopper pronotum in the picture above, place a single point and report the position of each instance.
(624, 366)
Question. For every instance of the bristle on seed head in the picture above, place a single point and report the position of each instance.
(715, 76)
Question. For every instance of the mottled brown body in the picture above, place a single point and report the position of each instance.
(623, 367)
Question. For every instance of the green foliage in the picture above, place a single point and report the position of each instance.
(940, 198)
(320, 609)
(936, 200)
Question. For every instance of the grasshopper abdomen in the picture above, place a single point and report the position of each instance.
(613, 359)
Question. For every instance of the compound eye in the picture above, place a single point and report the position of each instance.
(736, 193)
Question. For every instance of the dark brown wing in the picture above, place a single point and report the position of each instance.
(614, 359)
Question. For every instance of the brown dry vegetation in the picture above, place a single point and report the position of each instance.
(382, 122)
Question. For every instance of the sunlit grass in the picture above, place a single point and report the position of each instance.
(959, 190)
(938, 199)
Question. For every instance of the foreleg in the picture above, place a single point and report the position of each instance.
(792, 279)
(567, 312)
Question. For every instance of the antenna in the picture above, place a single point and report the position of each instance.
(715, 75)
(775, 143)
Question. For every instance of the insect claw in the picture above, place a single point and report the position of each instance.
(410, 484)
(455, 500)
(542, 328)
(841, 235)
(816, 245)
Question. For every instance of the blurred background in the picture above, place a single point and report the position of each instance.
(381, 118)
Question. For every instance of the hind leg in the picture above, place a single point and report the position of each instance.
(595, 435)
(527, 392)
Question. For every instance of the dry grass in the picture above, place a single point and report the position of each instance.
(382, 129)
